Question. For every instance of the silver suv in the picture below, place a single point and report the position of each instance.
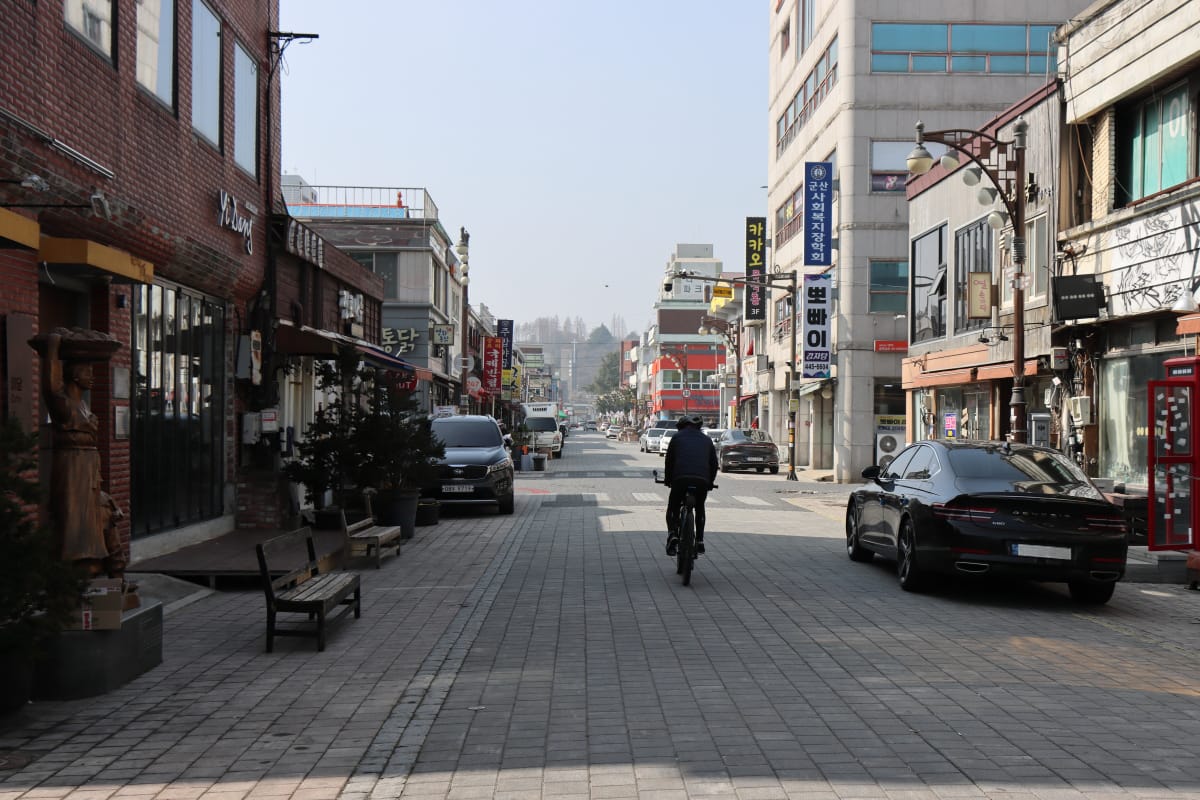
(648, 442)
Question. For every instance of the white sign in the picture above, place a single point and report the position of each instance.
(818, 309)
(442, 334)
(445, 411)
(229, 216)
(400, 340)
(350, 304)
(464, 363)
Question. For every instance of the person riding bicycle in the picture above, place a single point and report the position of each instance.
(691, 461)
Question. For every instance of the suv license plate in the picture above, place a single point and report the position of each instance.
(754, 458)
(452, 488)
(1041, 551)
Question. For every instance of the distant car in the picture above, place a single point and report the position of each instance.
(747, 449)
(648, 441)
(715, 434)
(612, 432)
(590, 425)
(665, 440)
(960, 507)
(476, 468)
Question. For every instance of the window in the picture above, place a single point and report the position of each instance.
(889, 286)
(972, 253)
(156, 48)
(1037, 259)
(92, 19)
(889, 164)
(789, 217)
(808, 22)
(206, 73)
(385, 265)
(997, 49)
(928, 311)
(816, 87)
(245, 110)
(1153, 144)
(785, 37)
(177, 461)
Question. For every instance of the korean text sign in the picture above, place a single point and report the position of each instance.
(818, 309)
(493, 358)
(504, 327)
(818, 199)
(756, 268)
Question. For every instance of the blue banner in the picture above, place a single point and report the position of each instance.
(818, 209)
(504, 329)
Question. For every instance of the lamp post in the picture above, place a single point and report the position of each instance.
(1003, 161)
(714, 326)
(463, 250)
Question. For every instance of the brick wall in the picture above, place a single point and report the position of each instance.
(1104, 164)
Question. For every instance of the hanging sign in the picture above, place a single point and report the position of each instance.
(818, 197)
(493, 356)
(756, 269)
(818, 308)
(504, 329)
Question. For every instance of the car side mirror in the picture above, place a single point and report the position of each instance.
(871, 473)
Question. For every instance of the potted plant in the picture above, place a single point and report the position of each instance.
(39, 591)
(325, 451)
(397, 452)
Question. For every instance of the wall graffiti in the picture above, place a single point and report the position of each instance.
(1153, 259)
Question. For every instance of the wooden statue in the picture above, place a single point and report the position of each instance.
(83, 517)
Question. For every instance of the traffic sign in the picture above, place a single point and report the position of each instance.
(723, 291)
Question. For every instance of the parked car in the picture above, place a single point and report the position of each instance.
(715, 434)
(648, 441)
(747, 449)
(665, 439)
(612, 432)
(476, 468)
(960, 507)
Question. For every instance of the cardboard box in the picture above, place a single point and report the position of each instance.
(100, 607)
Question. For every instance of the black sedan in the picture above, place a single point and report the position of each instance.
(950, 507)
(747, 449)
(476, 468)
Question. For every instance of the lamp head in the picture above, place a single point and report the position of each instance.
(948, 161)
(972, 175)
(919, 161)
(986, 195)
(997, 220)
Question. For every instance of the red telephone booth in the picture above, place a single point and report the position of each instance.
(1174, 457)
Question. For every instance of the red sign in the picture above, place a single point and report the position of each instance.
(891, 346)
(493, 363)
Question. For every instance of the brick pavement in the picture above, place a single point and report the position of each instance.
(554, 654)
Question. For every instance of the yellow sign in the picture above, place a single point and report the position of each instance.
(979, 295)
(723, 291)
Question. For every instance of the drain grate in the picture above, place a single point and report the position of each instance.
(14, 760)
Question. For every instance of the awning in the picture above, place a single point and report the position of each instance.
(83, 256)
(943, 378)
(308, 341)
(999, 372)
(809, 388)
(19, 231)
(1189, 323)
(746, 397)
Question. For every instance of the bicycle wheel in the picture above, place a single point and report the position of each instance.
(687, 543)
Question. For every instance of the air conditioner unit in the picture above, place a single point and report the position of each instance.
(887, 445)
(1081, 409)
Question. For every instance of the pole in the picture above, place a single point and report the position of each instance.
(1017, 402)
(737, 386)
(791, 392)
(464, 400)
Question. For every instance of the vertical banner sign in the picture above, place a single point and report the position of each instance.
(818, 195)
(493, 355)
(756, 268)
(818, 296)
(504, 327)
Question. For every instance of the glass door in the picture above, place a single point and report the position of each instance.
(1172, 459)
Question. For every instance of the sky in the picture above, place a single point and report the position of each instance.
(577, 142)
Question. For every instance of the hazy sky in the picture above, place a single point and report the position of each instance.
(578, 142)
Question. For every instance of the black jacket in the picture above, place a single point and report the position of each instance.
(690, 454)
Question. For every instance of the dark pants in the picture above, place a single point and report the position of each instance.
(679, 488)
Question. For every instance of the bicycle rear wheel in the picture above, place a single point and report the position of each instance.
(687, 543)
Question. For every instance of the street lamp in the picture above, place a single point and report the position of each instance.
(714, 326)
(1003, 162)
(463, 250)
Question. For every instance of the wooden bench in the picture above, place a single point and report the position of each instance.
(365, 537)
(303, 589)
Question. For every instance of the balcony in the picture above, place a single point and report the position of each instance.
(359, 202)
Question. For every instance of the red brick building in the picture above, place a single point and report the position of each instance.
(138, 196)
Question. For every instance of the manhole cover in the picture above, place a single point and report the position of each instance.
(14, 760)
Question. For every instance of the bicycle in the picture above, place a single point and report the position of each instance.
(685, 553)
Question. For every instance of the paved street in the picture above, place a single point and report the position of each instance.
(555, 654)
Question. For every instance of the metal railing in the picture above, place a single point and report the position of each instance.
(359, 202)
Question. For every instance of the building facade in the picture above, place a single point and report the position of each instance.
(848, 80)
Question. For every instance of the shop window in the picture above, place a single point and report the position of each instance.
(178, 431)
(1153, 144)
(889, 287)
(206, 72)
(972, 253)
(928, 298)
(93, 20)
(245, 110)
(156, 48)
(1123, 431)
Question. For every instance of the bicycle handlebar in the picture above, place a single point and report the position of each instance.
(657, 479)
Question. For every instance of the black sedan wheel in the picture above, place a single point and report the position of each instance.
(912, 578)
(507, 504)
(853, 548)
(1090, 592)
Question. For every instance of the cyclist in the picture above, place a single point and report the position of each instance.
(691, 461)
